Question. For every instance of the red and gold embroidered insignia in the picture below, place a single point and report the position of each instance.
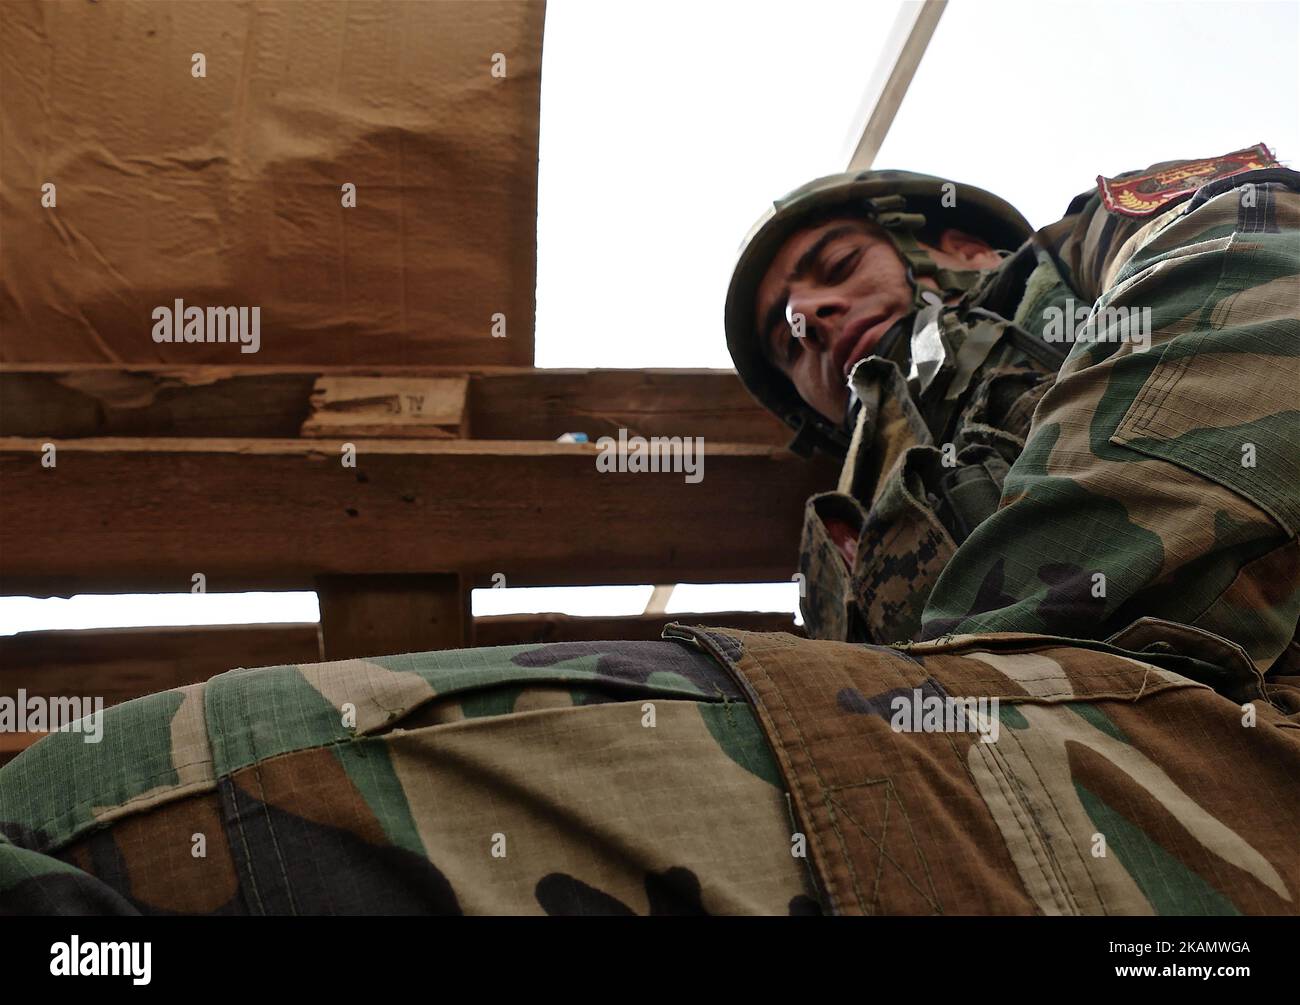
(1142, 195)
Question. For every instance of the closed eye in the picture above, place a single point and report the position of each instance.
(843, 268)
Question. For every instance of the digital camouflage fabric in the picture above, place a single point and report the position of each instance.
(570, 779)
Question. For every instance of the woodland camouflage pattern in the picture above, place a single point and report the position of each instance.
(1174, 472)
(1170, 472)
(545, 748)
(1099, 794)
(538, 753)
(1148, 759)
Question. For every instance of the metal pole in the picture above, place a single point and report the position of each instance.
(901, 55)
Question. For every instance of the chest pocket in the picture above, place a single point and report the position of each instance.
(1221, 398)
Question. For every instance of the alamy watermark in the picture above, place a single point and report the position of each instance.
(678, 454)
(36, 714)
(933, 713)
(1076, 322)
(179, 323)
(75, 958)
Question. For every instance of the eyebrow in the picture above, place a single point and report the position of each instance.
(776, 313)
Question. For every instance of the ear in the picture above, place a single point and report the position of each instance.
(967, 248)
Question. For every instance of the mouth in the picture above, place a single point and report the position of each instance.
(859, 339)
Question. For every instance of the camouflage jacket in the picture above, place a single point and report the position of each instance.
(1154, 313)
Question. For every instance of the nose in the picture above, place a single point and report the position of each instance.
(822, 311)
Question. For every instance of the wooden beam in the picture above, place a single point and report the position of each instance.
(520, 629)
(123, 515)
(80, 401)
(118, 664)
(276, 402)
(13, 744)
(542, 404)
(382, 615)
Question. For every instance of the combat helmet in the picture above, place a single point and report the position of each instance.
(902, 203)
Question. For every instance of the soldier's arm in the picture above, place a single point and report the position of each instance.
(1158, 478)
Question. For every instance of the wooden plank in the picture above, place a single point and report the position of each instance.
(275, 402)
(110, 401)
(126, 514)
(520, 629)
(659, 598)
(118, 664)
(416, 407)
(13, 744)
(382, 615)
(542, 404)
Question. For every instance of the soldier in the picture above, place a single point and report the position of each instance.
(1158, 478)
(1050, 601)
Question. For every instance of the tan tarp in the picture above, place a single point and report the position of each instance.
(226, 189)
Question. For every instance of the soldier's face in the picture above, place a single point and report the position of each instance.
(850, 286)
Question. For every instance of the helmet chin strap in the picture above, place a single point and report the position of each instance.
(889, 212)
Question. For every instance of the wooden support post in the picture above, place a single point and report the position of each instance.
(379, 615)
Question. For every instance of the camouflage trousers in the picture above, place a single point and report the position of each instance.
(593, 778)
(714, 772)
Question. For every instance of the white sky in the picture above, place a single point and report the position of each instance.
(667, 127)
(27, 614)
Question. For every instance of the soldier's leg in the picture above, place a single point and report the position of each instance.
(1014, 774)
(1163, 482)
(585, 778)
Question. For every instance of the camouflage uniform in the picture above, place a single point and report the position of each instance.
(1155, 481)
(529, 780)
(1172, 472)
(571, 778)
(730, 772)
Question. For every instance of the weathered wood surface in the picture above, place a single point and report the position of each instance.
(124, 515)
(276, 402)
(382, 615)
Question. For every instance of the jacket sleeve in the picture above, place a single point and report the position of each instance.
(1091, 242)
(1159, 477)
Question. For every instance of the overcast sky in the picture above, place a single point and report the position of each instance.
(667, 127)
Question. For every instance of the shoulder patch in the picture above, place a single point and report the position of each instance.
(1142, 195)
